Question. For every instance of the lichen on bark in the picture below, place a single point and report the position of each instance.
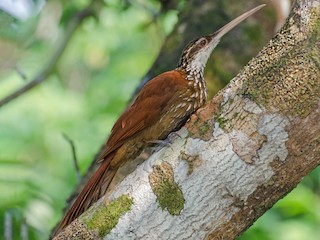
(107, 217)
(193, 161)
(168, 192)
(281, 69)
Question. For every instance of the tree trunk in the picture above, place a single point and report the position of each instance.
(245, 150)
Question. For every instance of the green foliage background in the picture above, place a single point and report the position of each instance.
(91, 85)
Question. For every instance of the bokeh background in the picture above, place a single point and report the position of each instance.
(89, 86)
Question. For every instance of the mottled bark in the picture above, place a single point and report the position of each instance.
(246, 149)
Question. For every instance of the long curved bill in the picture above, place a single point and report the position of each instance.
(226, 28)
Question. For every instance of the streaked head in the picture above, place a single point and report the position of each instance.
(197, 52)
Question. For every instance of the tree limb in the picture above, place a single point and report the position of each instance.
(249, 147)
(48, 68)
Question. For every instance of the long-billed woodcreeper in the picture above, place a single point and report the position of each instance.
(162, 106)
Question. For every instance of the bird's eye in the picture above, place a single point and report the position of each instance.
(203, 42)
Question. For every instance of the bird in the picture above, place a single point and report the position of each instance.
(162, 106)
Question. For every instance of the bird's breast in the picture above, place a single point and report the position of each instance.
(199, 92)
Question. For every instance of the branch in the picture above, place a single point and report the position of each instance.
(249, 147)
(74, 157)
(72, 25)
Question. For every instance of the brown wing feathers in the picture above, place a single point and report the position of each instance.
(146, 109)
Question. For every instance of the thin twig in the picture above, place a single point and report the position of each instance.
(20, 72)
(49, 67)
(74, 155)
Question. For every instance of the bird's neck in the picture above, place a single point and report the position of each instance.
(193, 69)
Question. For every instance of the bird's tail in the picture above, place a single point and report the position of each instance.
(94, 189)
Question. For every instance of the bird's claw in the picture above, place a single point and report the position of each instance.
(160, 143)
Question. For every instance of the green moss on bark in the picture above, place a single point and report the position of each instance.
(166, 189)
(107, 218)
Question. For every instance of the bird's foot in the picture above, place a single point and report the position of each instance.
(159, 144)
(172, 136)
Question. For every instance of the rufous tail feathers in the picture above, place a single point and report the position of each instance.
(94, 189)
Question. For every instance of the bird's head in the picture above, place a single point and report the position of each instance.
(197, 52)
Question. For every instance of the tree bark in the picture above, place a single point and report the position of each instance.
(245, 150)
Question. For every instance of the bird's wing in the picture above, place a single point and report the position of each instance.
(149, 106)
